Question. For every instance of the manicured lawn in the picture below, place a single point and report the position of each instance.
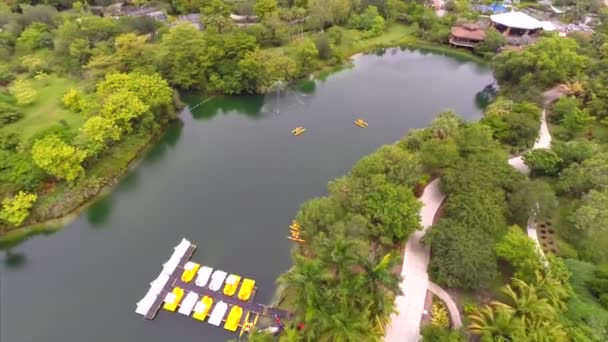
(46, 111)
(353, 42)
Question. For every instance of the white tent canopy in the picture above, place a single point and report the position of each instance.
(189, 302)
(518, 20)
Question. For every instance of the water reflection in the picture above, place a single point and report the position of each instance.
(166, 142)
(14, 260)
(9, 241)
(99, 212)
(250, 105)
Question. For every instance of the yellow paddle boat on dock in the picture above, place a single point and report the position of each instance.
(361, 123)
(298, 130)
(234, 318)
(173, 298)
(202, 308)
(190, 270)
(232, 282)
(246, 289)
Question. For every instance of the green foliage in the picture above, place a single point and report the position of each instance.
(579, 178)
(591, 218)
(532, 196)
(432, 333)
(9, 114)
(599, 285)
(370, 21)
(306, 54)
(563, 107)
(23, 91)
(439, 316)
(574, 151)
(399, 166)
(35, 36)
(512, 123)
(520, 252)
(16, 210)
(543, 162)
(462, 257)
(151, 89)
(73, 100)
(492, 42)
(58, 158)
(265, 8)
(122, 109)
(181, 57)
(549, 60)
(261, 69)
(9, 141)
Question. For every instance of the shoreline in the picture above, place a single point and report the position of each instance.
(12, 237)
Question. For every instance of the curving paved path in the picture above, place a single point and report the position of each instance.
(405, 325)
(452, 307)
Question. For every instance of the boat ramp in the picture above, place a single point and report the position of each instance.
(205, 293)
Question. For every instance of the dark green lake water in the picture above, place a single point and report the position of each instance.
(230, 179)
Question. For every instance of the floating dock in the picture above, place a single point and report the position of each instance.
(173, 275)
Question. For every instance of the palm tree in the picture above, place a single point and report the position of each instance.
(308, 279)
(382, 284)
(547, 331)
(496, 323)
(291, 335)
(526, 303)
(553, 291)
(347, 325)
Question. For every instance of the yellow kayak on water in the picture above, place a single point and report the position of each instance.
(172, 299)
(202, 308)
(246, 289)
(190, 270)
(361, 123)
(232, 282)
(234, 318)
(295, 130)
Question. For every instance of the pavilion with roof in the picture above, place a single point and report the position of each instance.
(519, 24)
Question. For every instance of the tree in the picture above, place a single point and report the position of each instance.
(562, 107)
(58, 158)
(9, 114)
(23, 91)
(35, 36)
(399, 166)
(151, 89)
(182, 58)
(216, 16)
(512, 123)
(579, 178)
(15, 210)
(548, 61)
(262, 69)
(306, 54)
(370, 21)
(101, 130)
(492, 42)
(392, 211)
(496, 324)
(575, 121)
(520, 252)
(462, 257)
(132, 52)
(265, 8)
(526, 304)
(73, 100)
(542, 162)
(591, 218)
(187, 6)
(574, 151)
(531, 197)
(122, 109)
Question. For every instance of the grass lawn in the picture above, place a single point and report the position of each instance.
(353, 42)
(46, 111)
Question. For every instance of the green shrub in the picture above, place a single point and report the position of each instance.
(9, 114)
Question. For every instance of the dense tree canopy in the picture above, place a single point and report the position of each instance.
(58, 158)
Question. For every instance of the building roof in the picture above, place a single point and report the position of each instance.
(518, 20)
(469, 31)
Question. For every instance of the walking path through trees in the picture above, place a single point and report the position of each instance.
(405, 325)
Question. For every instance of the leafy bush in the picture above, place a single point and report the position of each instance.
(9, 114)
(543, 162)
(23, 91)
(8, 141)
(15, 210)
(439, 315)
(323, 46)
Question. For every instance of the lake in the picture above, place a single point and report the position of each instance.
(229, 178)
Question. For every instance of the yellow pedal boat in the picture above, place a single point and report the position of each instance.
(246, 289)
(232, 282)
(298, 130)
(234, 318)
(172, 299)
(202, 308)
(361, 123)
(190, 270)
